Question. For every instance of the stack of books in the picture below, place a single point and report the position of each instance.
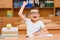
(19, 3)
(49, 3)
(10, 32)
(43, 3)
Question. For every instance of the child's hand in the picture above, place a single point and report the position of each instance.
(25, 3)
(36, 34)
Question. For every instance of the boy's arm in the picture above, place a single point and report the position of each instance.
(44, 31)
(41, 32)
(21, 11)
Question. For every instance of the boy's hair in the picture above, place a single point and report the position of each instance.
(36, 9)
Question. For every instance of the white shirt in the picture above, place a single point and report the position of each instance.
(33, 27)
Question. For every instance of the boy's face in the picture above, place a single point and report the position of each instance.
(34, 15)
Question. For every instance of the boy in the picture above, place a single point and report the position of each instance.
(34, 26)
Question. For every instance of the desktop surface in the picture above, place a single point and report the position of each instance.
(23, 37)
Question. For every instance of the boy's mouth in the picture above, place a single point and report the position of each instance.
(34, 16)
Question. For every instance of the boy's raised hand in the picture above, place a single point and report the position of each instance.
(21, 10)
(25, 3)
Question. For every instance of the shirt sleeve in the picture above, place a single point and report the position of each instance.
(42, 24)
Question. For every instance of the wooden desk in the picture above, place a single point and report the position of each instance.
(22, 37)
